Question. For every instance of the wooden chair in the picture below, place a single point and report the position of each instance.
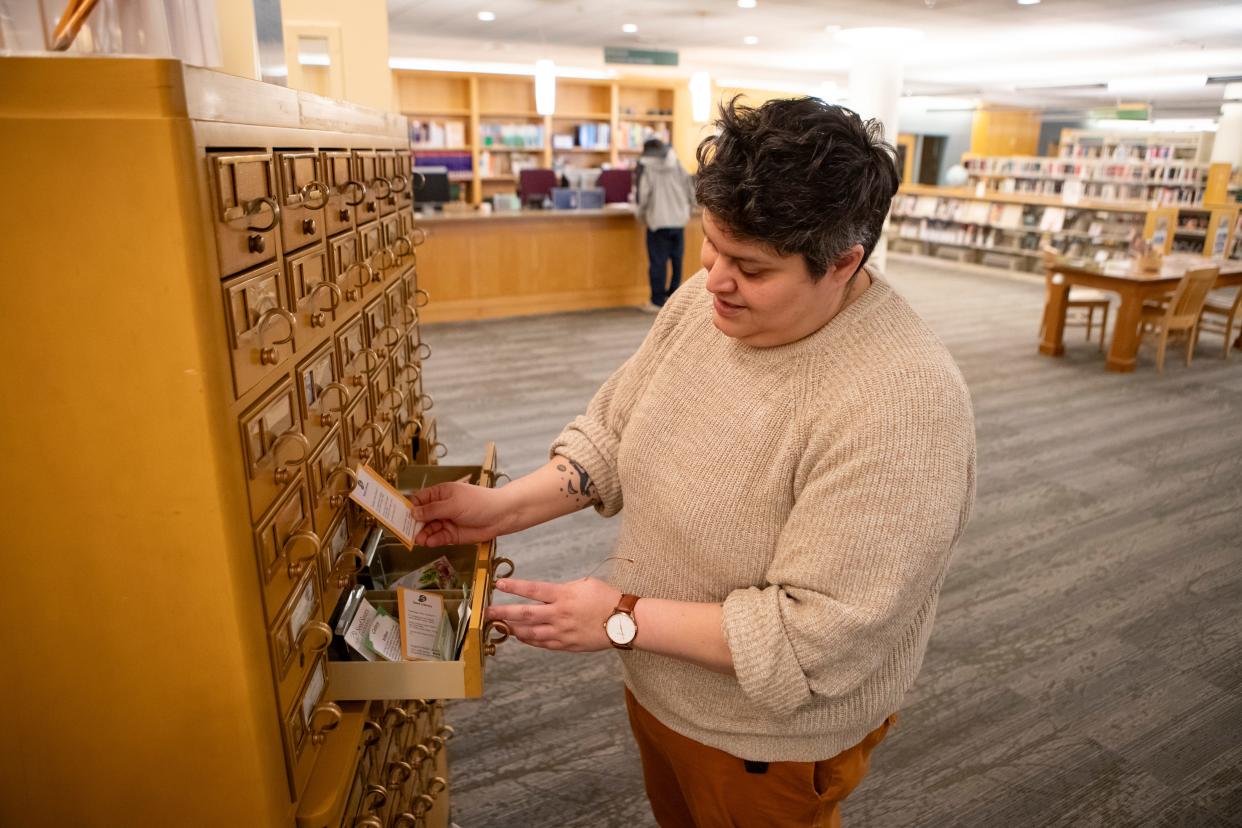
(1218, 317)
(1181, 314)
(1089, 301)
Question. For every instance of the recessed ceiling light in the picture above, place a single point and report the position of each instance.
(629, 28)
(746, 4)
(1028, 2)
(750, 40)
(486, 16)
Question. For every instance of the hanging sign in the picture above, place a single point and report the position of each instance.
(643, 57)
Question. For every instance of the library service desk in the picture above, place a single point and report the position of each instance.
(538, 261)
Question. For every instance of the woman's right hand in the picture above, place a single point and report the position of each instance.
(454, 513)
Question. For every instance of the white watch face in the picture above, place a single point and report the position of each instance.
(621, 628)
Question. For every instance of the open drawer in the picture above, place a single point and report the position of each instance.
(477, 568)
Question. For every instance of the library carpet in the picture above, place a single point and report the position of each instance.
(1086, 664)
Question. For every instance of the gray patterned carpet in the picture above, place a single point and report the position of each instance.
(1086, 666)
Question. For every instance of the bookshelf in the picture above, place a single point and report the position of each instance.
(486, 129)
(1008, 229)
(1135, 146)
(1165, 181)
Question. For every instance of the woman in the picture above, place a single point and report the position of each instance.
(794, 451)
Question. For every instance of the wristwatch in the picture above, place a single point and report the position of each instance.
(621, 627)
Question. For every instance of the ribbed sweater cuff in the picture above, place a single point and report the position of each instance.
(594, 448)
(763, 659)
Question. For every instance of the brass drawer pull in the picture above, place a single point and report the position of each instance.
(267, 353)
(382, 252)
(327, 418)
(422, 236)
(390, 339)
(337, 499)
(496, 564)
(255, 206)
(496, 480)
(406, 369)
(426, 298)
(400, 183)
(354, 185)
(283, 470)
(418, 352)
(369, 821)
(331, 714)
(371, 733)
(409, 246)
(344, 575)
(398, 771)
(439, 450)
(397, 714)
(418, 178)
(400, 460)
(411, 315)
(493, 640)
(371, 354)
(374, 798)
(447, 731)
(375, 441)
(307, 538)
(312, 188)
(426, 402)
(423, 754)
(319, 317)
(379, 179)
(312, 628)
(394, 407)
(366, 274)
(437, 785)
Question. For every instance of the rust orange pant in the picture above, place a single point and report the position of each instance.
(691, 785)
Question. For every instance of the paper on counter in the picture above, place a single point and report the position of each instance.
(374, 494)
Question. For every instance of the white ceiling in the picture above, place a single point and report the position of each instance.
(996, 49)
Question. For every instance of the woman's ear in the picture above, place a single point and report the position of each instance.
(844, 268)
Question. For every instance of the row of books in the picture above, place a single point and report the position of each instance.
(633, 136)
(511, 135)
(438, 133)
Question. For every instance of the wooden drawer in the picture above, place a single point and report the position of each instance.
(322, 397)
(298, 636)
(286, 547)
(364, 437)
(330, 480)
(386, 162)
(382, 335)
(314, 296)
(366, 170)
(356, 359)
(332, 794)
(374, 252)
(273, 447)
(398, 250)
(462, 678)
(303, 195)
(260, 328)
(350, 273)
(412, 234)
(400, 314)
(402, 181)
(344, 193)
(341, 557)
(245, 207)
(307, 725)
(430, 449)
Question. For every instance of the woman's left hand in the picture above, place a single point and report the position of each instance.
(568, 617)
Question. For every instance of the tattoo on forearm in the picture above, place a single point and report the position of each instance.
(577, 483)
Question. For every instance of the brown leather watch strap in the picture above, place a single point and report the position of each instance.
(626, 604)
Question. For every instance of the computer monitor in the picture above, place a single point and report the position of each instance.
(433, 186)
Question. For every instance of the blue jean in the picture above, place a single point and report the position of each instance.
(664, 245)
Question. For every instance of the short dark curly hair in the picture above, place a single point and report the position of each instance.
(799, 176)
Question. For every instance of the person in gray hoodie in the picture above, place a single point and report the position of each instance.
(665, 196)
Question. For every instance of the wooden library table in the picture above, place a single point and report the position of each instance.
(1133, 287)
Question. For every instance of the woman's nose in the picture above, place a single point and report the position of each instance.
(719, 278)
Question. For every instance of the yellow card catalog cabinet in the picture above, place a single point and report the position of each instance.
(211, 316)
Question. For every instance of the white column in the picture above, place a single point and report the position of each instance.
(875, 89)
(1227, 146)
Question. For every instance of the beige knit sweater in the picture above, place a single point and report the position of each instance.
(816, 488)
